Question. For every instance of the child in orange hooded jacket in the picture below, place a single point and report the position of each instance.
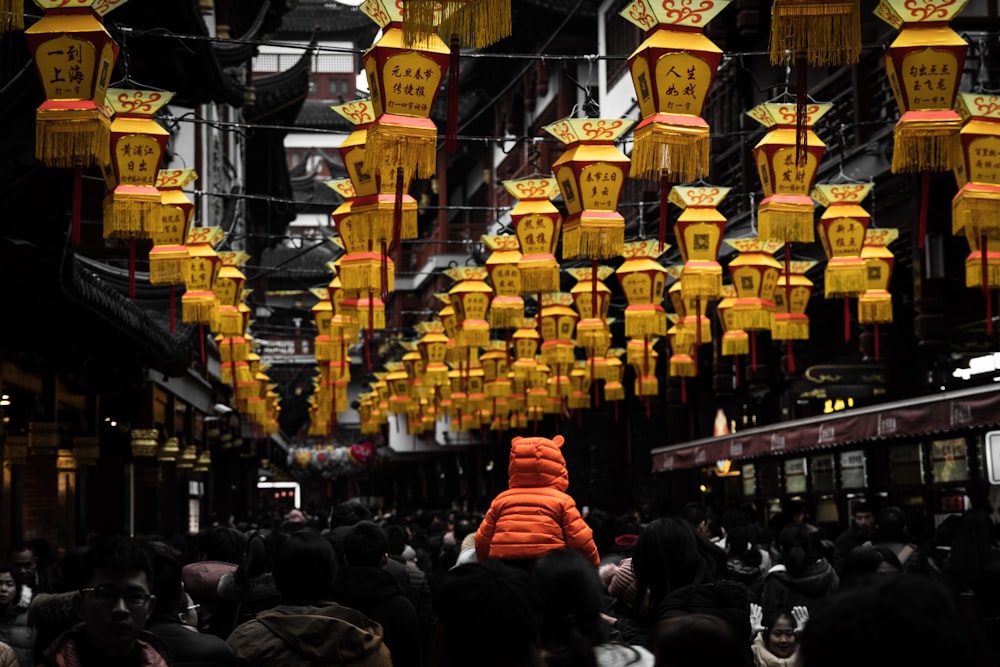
(534, 515)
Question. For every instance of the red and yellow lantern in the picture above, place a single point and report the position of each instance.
(525, 345)
(842, 229)
(228, 288)
(74, 56)
(755, 275)
(786, 212)
(976, 207)
(641, 356)
(699, 230)
(199, 304)
(692, 318)
(790, 301)
(735, 341)
(374, 198)
(169, 254)
(558, 321)
(672, 71)
(875, 305)
(132, 210)
(507, 306)
(404, 77)
(470, 297)
(592, 299)
(924, 64)
(537, 223)
(643, 280)
(590, 175)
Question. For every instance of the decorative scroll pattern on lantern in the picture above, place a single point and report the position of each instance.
(842, 229)
(672, 71)
(404, 80)
(875, 305)
(790, 300)
(169, 255)
(471, 299)
(643, 279)
(590, 175)
(924, 64)
(823, 32)
(699, 231)
(199, 304)
(537, 223)
(74, 56)
(507, 307)
(374, 198)
(592, 299)
(786, 212)
(755, 276)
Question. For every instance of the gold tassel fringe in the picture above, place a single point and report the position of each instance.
(875, 307)
(751, 318)
(922, 142)
(540, 276)
(592, 240)
(844, 276)
(199, 307)
(783, 221)
(701, 279)
(790, 326)
(679, 152)
(977, 209)
(70, 138)
(379, 221)
(132, 213)
(647, 385)
(682, 365)
(559, 387)
(506, 312)
(735, 343)
(593, 336)
(11, 15)
(828, 32)
(645, 321)
(363, 271)
(974, 270)
(166, 265)
(230, 322)
(473, 334)
(412, 148)
(323, 349)
(557, 353)
(614, 391)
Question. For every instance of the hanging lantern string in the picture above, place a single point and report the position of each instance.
(481, 55)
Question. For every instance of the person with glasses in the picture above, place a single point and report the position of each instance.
(114, 604)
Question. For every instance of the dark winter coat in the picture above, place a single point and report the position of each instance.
(288, 636)
(815, 583)
(190, 648)
(376, 594)
(71, 650)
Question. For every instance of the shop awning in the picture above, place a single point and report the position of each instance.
(937, 413)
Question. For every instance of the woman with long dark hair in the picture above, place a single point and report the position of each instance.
(803, 577)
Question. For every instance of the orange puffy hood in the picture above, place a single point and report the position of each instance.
(537, 462)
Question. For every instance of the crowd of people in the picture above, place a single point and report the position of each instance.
(530, 582)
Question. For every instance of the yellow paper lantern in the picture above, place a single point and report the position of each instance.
(643, 280)
(590, 175)
(537, 223)
(842, 230)
(924, 64)
(699, 230)
(875, 305)
(786, 212)
(74, 56)
(558, 321)
(672, 71)
(592, 299)
(199, 304)
(507, 306)
(470, 297)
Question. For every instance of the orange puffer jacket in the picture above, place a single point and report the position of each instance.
(534, 515)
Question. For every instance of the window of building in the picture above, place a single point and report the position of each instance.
(795, 475)
(950, 460)
(749, 475)
(853, 471)
(906, 465)
(822, 472)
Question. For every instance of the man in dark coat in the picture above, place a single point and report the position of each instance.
(365, 585)
(187, 646)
